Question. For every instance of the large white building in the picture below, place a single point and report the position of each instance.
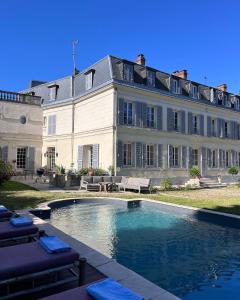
(142, 121)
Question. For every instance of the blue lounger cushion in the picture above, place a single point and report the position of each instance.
(109, 289)
(52, 244)
(3, 208)
(21, 221)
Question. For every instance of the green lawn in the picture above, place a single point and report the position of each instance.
(19, 196)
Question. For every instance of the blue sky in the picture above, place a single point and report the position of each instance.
(200, 36)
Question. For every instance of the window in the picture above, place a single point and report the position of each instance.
(175, 156)
(194, 91)
(21, 158)
(227, 159)
(44, 121)
(226, 133)
(195, 124)
(127, 154)
(89, 80)
(150, 117)
(176, 120)
(52, 124)
(175, 86)
(150, 155)
(151, 78)
(128, 72)
(90, 156)
(213, 127)
(195, 157)
(52, 93)
(51, 158)
(128, 113)
(214, 158)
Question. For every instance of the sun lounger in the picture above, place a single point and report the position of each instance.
(31, 261)
(20, 221)
(106, 289)
(5, 215)
(10, 234)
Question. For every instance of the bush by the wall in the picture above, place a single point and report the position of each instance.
(233, 171)
(194, 172)
(166, 184)
(95, 172)
(6, 171)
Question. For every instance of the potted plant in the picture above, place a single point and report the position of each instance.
(195, 172)
(90, 172)
(111, 170)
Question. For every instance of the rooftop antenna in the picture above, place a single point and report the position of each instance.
(74, 45)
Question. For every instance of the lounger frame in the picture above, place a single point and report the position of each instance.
(77, 276)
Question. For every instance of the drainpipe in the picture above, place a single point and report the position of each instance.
(115, 131)
(73, 121)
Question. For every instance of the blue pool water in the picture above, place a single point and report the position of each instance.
(191, 259)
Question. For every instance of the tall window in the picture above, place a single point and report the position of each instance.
(194, 91)
(226, 133)
(128, 113)
(228, 159)
(21, 158)
(175, 86)
(51, 158)
(128, 72)
(151, 78)
(195, 124)
(52, 124)
(89, 80)
(52, 93)
(214, 158)
(213, 127)
(127, 154)
(150, 117)
(150, 155)
(175, 157)
(195, 157)
(176, 120)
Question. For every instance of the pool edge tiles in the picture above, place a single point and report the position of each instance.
(108, 266)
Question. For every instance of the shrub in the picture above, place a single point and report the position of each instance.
(111, 170)
(166, 184)
(99, 172)
(60, 170)
(6, 171)
(96, 172)
(233, 171)
(194, 172)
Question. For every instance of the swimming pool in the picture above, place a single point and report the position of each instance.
(190, 258)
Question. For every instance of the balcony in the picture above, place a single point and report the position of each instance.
(19, 98)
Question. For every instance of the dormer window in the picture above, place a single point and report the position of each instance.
(89, 79)
(194, 91)
(151, 76)
(53, 88)
(128, 72)
(175, 86)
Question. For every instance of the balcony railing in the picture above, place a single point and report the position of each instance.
(20, 98)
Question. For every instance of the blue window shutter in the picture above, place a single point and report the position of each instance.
(220, 158)
(119, 154)
(204, 158)
(144, 155)
(190, 122)
(30, 159)
(5, 153)
(220, 128)
(201, 125)
(170, 156)
(232, 133)
(159, 118)
(182, 126)
(190, 157)
(138, 110)
(120, 111)
(184, 156)
(144, 115)
(95, 155)
(160, 156)
(139, 160)
(209, 157)
(133, 148)
(170, 119)
(80, 156)
(209, 133)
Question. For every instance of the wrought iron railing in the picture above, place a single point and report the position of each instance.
(19, 98)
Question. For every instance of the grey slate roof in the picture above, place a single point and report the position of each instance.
(110, 69)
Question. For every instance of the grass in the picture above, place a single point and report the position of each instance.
(19, 196)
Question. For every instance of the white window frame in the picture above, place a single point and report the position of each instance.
(213, 127)
(176, 86)
(214, 154)
(128, 72)
(89, 80)
(196, 124)
(127, 118)
(194, 91)
(51, 125)
(226, 133)
(150, 155)
(52, 93)
(176, 117)
(195, 157)
(228, 159)
(21, 157)
(151, 78)
(151, 117)
(175, 156)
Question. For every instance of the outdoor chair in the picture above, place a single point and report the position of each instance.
(88, 184)
(31, 262)
(103, 289)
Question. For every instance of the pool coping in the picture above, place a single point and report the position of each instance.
(108, 266)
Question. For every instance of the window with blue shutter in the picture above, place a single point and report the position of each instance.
(95, 155)
(209, 126)
(159, 118)
(190, 122)
(170, 119)
(127, 154)
(139, 158)
(80, 157)
(128, 113)
(51, 124)
(150, 117)
(119, 154)
(184, 157)
(160, 156)
(128, 72)
(138, 113)
(170, 156)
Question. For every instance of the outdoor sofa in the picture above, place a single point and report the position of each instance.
(97, 183)
(31, 262)
(135, 183)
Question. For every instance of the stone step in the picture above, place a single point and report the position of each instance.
(213, 185)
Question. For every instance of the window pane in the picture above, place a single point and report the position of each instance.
(21, 158)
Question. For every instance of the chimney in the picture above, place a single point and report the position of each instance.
(182, 74)
(140, 60)
(222, 87)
